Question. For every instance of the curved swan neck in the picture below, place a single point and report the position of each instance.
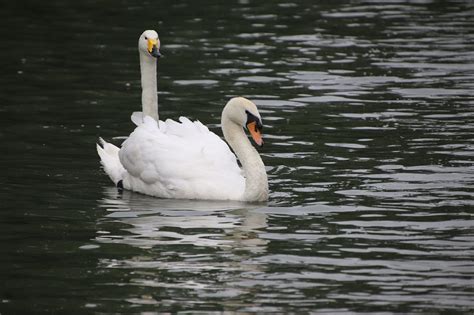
(256, 182)
(149, 86)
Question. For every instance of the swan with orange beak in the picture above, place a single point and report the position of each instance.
(184, 159)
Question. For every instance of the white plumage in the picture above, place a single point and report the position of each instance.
(184, 160)
(180, 160)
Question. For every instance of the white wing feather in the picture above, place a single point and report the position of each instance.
(180, 160)
(137, 118)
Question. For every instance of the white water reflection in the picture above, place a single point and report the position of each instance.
(388, 249)
(151, 222)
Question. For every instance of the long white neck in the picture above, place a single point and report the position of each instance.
(256, 182)
(149, 90)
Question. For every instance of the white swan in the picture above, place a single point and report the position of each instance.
(184, 160)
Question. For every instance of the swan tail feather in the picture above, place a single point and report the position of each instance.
(109, 158)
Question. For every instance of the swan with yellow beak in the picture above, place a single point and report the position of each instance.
(184, 159)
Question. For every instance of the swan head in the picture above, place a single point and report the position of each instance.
(244, 112)
(149, 44)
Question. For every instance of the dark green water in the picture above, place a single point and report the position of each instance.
(369, 127)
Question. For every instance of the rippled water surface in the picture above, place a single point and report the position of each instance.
(368, 110)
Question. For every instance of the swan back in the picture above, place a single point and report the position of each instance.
(181, 160)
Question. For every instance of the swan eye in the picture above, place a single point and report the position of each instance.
(146, 38)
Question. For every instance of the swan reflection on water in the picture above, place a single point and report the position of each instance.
(147, 222)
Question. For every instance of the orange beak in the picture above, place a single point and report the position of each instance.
(255, 133)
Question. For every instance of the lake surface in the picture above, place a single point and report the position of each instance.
(368, 111)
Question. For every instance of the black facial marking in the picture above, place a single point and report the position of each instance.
(120, 185)
(155, 52)
(252, 118)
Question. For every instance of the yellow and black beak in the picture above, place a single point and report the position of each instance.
(153, 47)
(254, 125)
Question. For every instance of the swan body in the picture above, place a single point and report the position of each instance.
(184, 160)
